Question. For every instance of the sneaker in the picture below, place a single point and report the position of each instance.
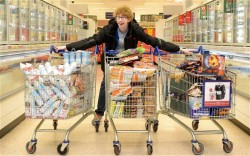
(96, 118)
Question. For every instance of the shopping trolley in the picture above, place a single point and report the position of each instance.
(64, 95)
(175, 87)
(130, 94)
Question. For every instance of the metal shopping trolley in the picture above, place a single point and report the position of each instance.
(66, 93)
(130, 94)
(196, 96)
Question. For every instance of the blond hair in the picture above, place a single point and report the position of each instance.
(125, 11)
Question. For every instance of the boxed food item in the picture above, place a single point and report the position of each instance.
(214, 64)
(196, 110)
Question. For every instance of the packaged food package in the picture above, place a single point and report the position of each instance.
(112, 107)
(219, 112)
(194, 90)
(139, 76)
(37, 97)
(147, 72)
(121, 74)
(28, 105)
(59, 93)
(50, 108)
(114, 86)
(118, 112)
(196, 110)
(121, 94)
(150, 91)
(63, 113)
(214, 64)
(41, 90)
(128, 52)
(79, 84)
(48, 68)
(128, 59)
(144, 65)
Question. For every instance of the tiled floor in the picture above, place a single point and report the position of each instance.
(170, 139)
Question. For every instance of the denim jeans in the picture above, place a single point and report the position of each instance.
(101, 100)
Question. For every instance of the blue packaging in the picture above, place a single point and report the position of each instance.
(66, 58)
(72, 57)
(86, 56)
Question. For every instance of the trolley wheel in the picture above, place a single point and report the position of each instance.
(55, 124)
(31, 149)
(106, 126)
(228, 147)
(195, 124)
(155, 127)
(117, 149)
(150, 149)
(97, 127)
(196, 151)
(65, 151)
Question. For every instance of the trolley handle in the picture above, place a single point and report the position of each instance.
(111, 52)
(200, 50)
(158, 52)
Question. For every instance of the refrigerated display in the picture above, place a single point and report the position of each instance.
(41, 21)
(228, 27)
(13, 21)
(24, 20)
(193, 24)
(218, 33)
(175, 30)
(47, 22)
(57, 23)
(239, 21)
(3, 22)
(168, 31)
(52, 25)
(62, 25)
(187, 31)
(210, 31)
(33, 21)
(198, 23)
(204, 25)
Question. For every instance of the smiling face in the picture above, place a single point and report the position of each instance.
(123, 16)
(122, 22)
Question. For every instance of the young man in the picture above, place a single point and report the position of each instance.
(121, 33)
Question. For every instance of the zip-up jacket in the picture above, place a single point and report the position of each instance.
(107, 35)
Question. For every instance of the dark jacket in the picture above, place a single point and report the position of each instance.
(135, 33)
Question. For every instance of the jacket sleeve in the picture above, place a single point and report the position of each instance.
(153, 41)
(86, 43)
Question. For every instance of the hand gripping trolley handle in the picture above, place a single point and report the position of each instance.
(175, 85)
(60, 96)
(130, 94)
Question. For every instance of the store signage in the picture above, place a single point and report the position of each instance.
(108, 15)
(217, 93)
(181, 19)
(69, 19)
(2, 1)
(188, 17)
(203, 12)
(228, 6)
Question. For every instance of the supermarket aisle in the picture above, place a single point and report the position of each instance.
(171, 138)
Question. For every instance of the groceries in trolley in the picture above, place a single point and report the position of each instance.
(56, 91)
(204, 64)
(80, 57)
(133, 88)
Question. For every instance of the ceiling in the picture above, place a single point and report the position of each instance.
(99, 7)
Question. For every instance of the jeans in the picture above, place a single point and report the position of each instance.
(101, 100)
